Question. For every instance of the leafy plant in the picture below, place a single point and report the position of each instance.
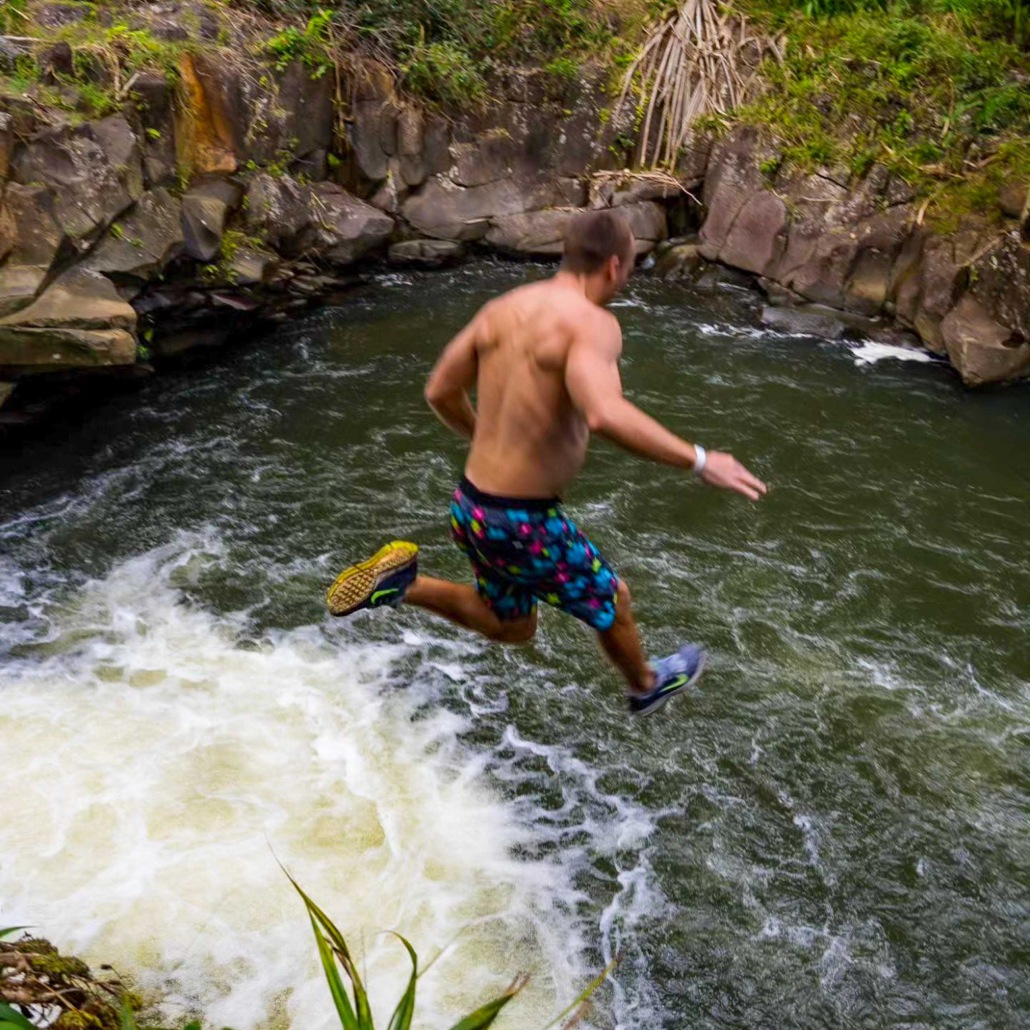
(444, 72)
(309, 44)
(351, 998)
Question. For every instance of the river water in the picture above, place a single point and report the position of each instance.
(833, 832)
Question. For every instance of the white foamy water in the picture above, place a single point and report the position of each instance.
(156, 763)
(869, 352)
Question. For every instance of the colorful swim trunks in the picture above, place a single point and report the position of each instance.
(523, 551)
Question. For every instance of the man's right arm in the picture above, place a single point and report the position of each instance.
(448, 389)
(593, 381)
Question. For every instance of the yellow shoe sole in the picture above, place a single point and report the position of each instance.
(354, 586)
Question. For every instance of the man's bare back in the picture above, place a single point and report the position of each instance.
(530, 439)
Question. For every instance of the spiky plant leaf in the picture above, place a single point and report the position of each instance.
(126, 1019)
(11, 1018)
(344, 1009)
(11, 929)
(486, 1014)
(575, 1009)
(329, 936)
(402, 1016)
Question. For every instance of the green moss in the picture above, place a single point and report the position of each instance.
(923, 92)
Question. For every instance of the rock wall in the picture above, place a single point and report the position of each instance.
(219, 197)
(855, 244)
(231, 197)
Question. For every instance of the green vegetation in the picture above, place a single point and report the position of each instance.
(90, 1004)
(310, 44)
(351, 999)
(936, 90)
(448, 50)
(105, 56)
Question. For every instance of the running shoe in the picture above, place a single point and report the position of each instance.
(673, 674)
(382, 580)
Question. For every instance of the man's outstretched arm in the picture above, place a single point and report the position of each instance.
(593, 381)
(453, 376)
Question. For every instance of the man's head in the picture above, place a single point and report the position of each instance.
(599, 246)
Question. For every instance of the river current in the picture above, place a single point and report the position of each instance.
(832, 832)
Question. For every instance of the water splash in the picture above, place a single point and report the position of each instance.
(162, 755)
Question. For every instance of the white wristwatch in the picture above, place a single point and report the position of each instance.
(700, 459)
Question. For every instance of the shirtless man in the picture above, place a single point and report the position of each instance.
(544, 362)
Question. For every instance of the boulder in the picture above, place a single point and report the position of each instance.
(30, 236)
(819, 236)
(1000, 280)
(94, 173)
(444, 210)
(756, 239)
(250, 267)
(423, 147)
(648, 222)
(487, 159)
(372, 138)
(277, 208)
(679, 261)
(141, 244)
(284, 118)
(308, 131)
(427, 253)
(983, 350)
(320, 221)
(531, 232)
(734, 176)
(121, 152)
(344, 228)
(6, 389)
(841, 246)
(804, 321)
(79, 321)
(205, 210)
(155, 103)
(780, 296)
(56, 62)
(935, 287)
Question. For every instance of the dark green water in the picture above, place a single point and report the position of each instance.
(833, 833)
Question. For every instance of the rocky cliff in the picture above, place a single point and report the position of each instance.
(855, 243)
(223, 191)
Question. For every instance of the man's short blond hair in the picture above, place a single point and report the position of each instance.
(592, 238)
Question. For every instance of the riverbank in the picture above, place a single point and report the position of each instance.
(175, 176)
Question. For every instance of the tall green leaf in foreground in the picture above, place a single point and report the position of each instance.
(352, 1004)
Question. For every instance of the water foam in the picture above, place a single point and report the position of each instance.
(869, 352)
(156, 759)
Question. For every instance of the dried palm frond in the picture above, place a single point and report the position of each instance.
(701, 60)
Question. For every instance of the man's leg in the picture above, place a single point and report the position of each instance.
(621, 643)
(463, 604)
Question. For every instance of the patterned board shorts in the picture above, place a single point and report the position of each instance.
(523, 551)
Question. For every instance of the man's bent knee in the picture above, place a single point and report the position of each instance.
(623, 598)
(519, 631)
